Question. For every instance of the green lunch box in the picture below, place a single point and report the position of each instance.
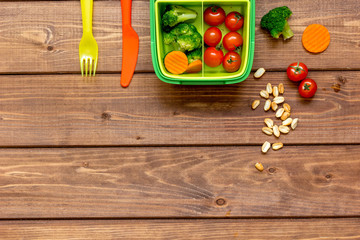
(208, 75)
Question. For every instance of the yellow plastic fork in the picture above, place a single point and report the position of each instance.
(88, 48)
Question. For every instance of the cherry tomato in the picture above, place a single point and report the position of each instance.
(232, 41)
(213, 57)
(231, 62)
(212, 36)
(297, 71)
(307, 88)
(234, 21)
(214, 15)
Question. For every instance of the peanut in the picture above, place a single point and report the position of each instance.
(276, 131)
(269, 122)
(285, 116)
(255, 104)
(277, 146)
(267, 131)
(279, 100)
(259, 73)
(269, 88)
(259, 166)
(264, 94)
(265, 147)
(279, 112)
(267, 105)
(274, 106)
(294, 123)
(281, 88)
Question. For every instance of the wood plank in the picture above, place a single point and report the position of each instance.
(66, 110)
(43, 36)
(305, 229)
(179, 182)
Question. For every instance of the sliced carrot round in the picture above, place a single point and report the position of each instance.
(194, 67)
(176, 62)
(316, 38)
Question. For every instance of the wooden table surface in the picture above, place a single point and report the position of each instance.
(87, 159)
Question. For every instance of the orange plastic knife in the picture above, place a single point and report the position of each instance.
(130, 45)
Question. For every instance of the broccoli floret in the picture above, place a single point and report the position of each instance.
(169, 38)
(177, 14)
(189, 42)
(275, 21)
(184, 37)
(194, 55)
(182, 29)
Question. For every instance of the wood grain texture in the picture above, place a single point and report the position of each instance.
(256, 229)
(66, 110)
(43, 36)
(179, 182)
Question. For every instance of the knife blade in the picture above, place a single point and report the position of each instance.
(130, 45)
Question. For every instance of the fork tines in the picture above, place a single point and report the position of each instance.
(90, 66)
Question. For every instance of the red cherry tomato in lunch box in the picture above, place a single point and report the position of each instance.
(213, 57)
(231, 62)
(232, 41)
(212, 36)
(234, 21)
(297, 71)
(214, 15)
(307, 88)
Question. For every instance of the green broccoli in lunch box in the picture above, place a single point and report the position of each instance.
(275, 21)
(176, 14)
(194, 55)
(183, 37)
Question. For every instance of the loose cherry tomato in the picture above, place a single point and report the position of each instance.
(214, 15)
(234, 21)
(297, 71)
(212, 36)
(232, 41)
(231, 62)
(307, 88)
(213, 57)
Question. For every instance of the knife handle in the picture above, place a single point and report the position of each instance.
(126, 12)
(87, 14)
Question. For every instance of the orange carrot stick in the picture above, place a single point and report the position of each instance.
(176, 62)
(194, 67)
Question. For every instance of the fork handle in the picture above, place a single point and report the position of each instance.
(87, 13)
(126, 12)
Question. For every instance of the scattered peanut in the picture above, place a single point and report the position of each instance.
(281, 88)
(267, 131)
(279, 100)
(276, 131)
(287, 107)
(287, 122)
(275, 91)
(277, 146)
(269, 88)
(264, 94)
(279, 112)
(259, 73)
(267, 105)
(294, 123)
(259, 166)
(269, 122)
(274, 106)
(255, 104)
(284, 129)
(265, 147)
(285, 116)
